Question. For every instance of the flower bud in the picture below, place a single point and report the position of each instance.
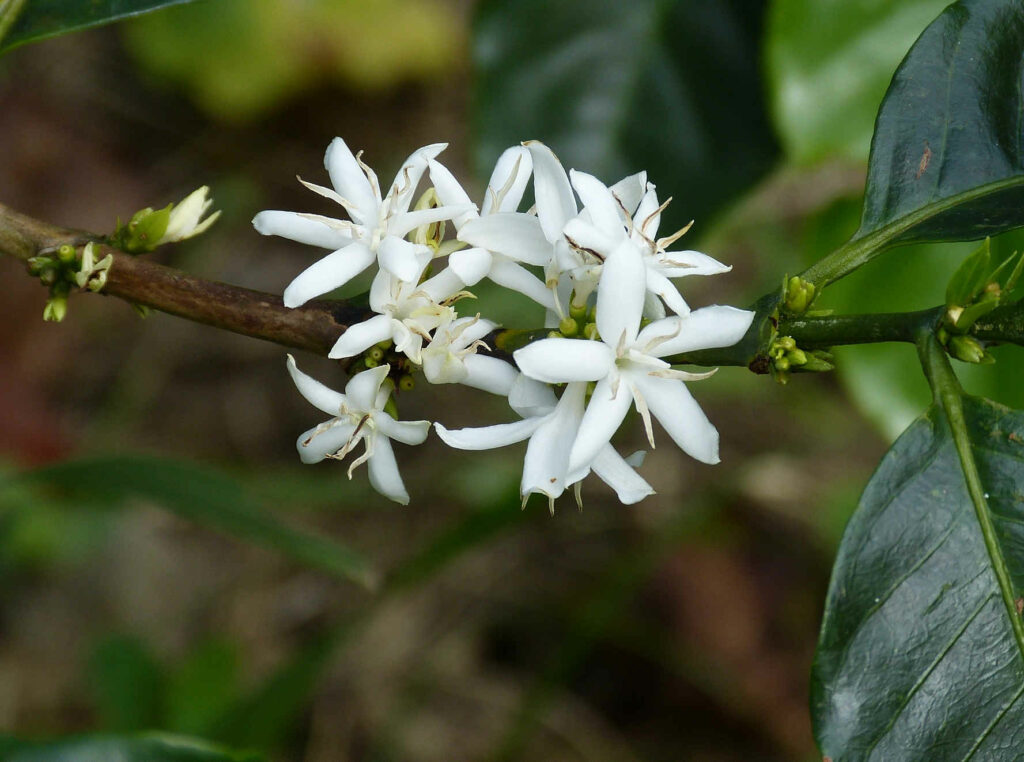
(568, 327)
(969, 349)
(56, 309)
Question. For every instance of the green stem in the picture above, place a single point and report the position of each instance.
(834, 330)
(949, 396)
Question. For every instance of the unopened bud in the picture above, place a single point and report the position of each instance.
(56, 308)
(568, 327)
(799, 295)
(969, 349)
(66, 254)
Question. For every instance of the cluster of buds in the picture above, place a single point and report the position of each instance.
(64, 269)
(587, 253)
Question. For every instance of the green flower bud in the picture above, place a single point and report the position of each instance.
(66, 254)
(56, 309)
(376, 353)
(369, 362)
(568, 327)
(796, 357)
(969, 349)
(799, 295)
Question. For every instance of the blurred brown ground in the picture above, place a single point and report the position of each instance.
(703, 656)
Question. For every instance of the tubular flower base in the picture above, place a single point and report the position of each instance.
(587, 253)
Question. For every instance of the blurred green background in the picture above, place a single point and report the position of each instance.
(680, 628)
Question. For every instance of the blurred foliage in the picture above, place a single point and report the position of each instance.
(122, 749)
(239, 59)
(829, 63)
(200, 494)
(133, 691)
(39, 19)
(670, 86)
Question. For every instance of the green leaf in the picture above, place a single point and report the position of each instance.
(127, 683)
(670, 86)
(970, 278)
(921, 655)
(120, 748)
(202, 688)
(204, 496)
(947, 157)
(829, 62)
(40, 19)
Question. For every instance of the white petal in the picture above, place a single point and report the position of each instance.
(402, 259)
(361, 336)
(446, 283)
(508, 181)
(555, 202)
(672, 404)
(350, 181)
(614, 471)
(620, 294)
(400, 224)
(507, 273)
(383, 469)
(513, 234)
(647, 217)
(361, 389)
(585, 235)
(310, 229)
(706, 328)
(604, 415)
(661, 286)
(654, 308)
(475, 329)
(471, 265)
(400, 196)
(530, 397)
(451, 193)
(331, 272)
(629, 191)
(406, 432)
(488, 437)
(599, 202)
(323, 440)
(489, 374)
(547, 455)
(315, 393)
(679, 264)
(557, 361)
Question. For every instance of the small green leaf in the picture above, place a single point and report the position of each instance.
(947, 157)
(207, 497)
(970, 278)
(40, 19)
(119, 748)
(921, 655)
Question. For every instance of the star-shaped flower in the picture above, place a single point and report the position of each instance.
(358, 416)
(627, 363)
(375, 230)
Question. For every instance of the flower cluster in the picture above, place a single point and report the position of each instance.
(588, 253)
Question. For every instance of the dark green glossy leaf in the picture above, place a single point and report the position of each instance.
(829, 62)
(119, 748)
(40, 19)
(207, 497)
(670, 86)
(918, 657)
(947, 159)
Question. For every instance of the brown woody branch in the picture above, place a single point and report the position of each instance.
(315, 326)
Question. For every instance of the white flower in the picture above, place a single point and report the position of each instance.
(627, 364)
(500, 236)
(185, 217)
(604, 231)
(551, 425)
(407, 312)
(375, 230)
(358, 417)
(450, 357)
